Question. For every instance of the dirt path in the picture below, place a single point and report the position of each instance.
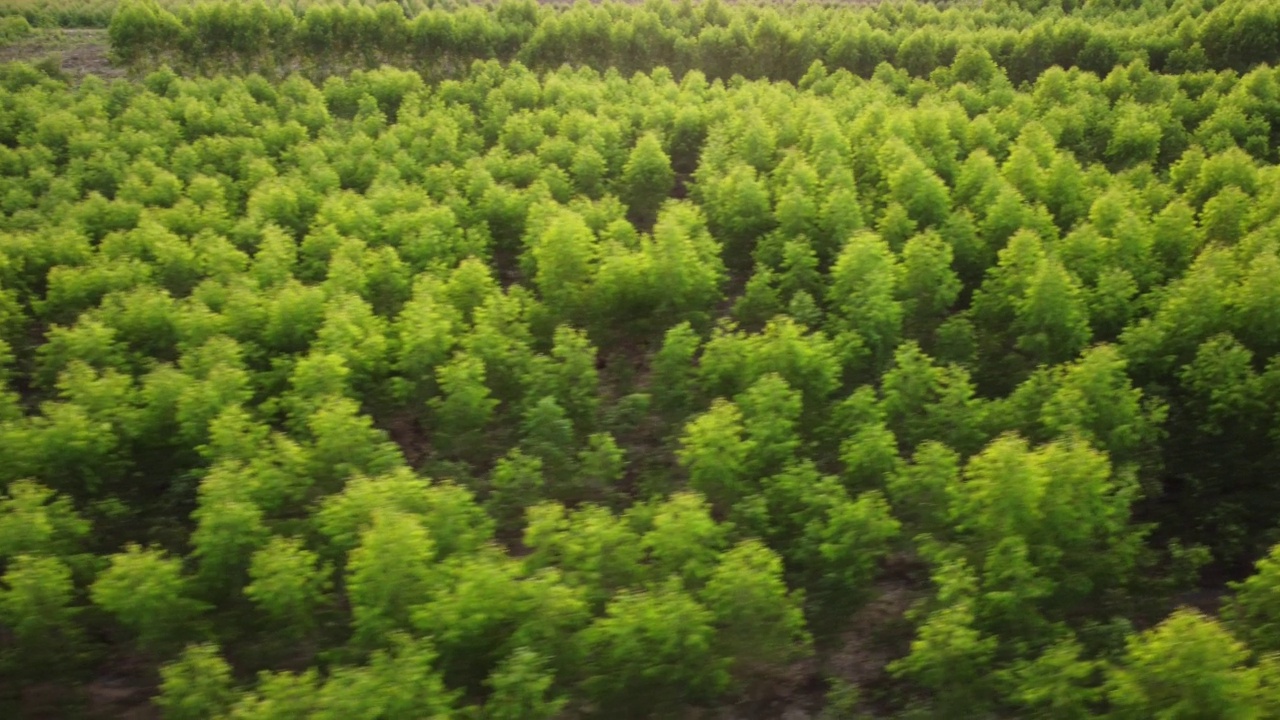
(79, 51)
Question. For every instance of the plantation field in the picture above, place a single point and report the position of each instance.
(662, 360)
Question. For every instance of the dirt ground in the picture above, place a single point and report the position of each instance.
(78, 51)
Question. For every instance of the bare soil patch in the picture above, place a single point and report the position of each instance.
(77, 51)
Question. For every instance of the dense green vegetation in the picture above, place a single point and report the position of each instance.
(98, 13)
(898, 362)
(720, 40)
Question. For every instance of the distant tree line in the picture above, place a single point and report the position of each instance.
(719, 39)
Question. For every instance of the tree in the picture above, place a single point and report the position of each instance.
(760, 301)
(1186, 667)
(288, 582)
(569, 376)
(466, 406)
(996, 302)
(919, 52)
(733, 360)
(392, 570)
(501, 339)
(799, 269)
(950, 656)
(789, 504)
(738, 209)
(220, 381)
(197, 685)
(1047, 530)
(1254, 611)
(279, 696)
(352, 331)
(717, 455)
(652, 651)
(923, 401)
(547, 434)
(601, 465)
(921, 192)
(869, 451)
(450, 514)
(1059, 683)
(1050, 318)
(1094, 396)
(400, 681)
(684, 540)
(1064, 191)
(427, 330)
(647, 178)
(595, 550)
(471, 620)
(229, 528)
(522, 689)
(345, 443)
(675, 375)
(684, 264)
(588, 170)
(489, 607)
(770, 415)
(1134, 137)
(1254, 304)
(515, 483)
(920, 491)
(36, 604)
(146, 591)
(864, 283)
(759, 622)
(844, 547)
(929, 287)
(1175, 239)
(841, 213)
(35, 520)
(565, 255)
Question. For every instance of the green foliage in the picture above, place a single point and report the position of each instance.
(760, 623)
(646, 178)
(36, 604)
(520, 689)
(288, 583)
(950, 656)
(35, 520)
(1252, 613)
(516, 482)
(398, 682)
(1062, 520)
(147, 592)
(1185, 667)
(652, 649)
(597, 551)
(196, 685)
(685, 541)
(716, 452)
(387, 574)
(278, 695)
(1059, 683)
(465, 406)
(727, 332)
(864, 283)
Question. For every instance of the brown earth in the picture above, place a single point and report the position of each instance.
(77, 51)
